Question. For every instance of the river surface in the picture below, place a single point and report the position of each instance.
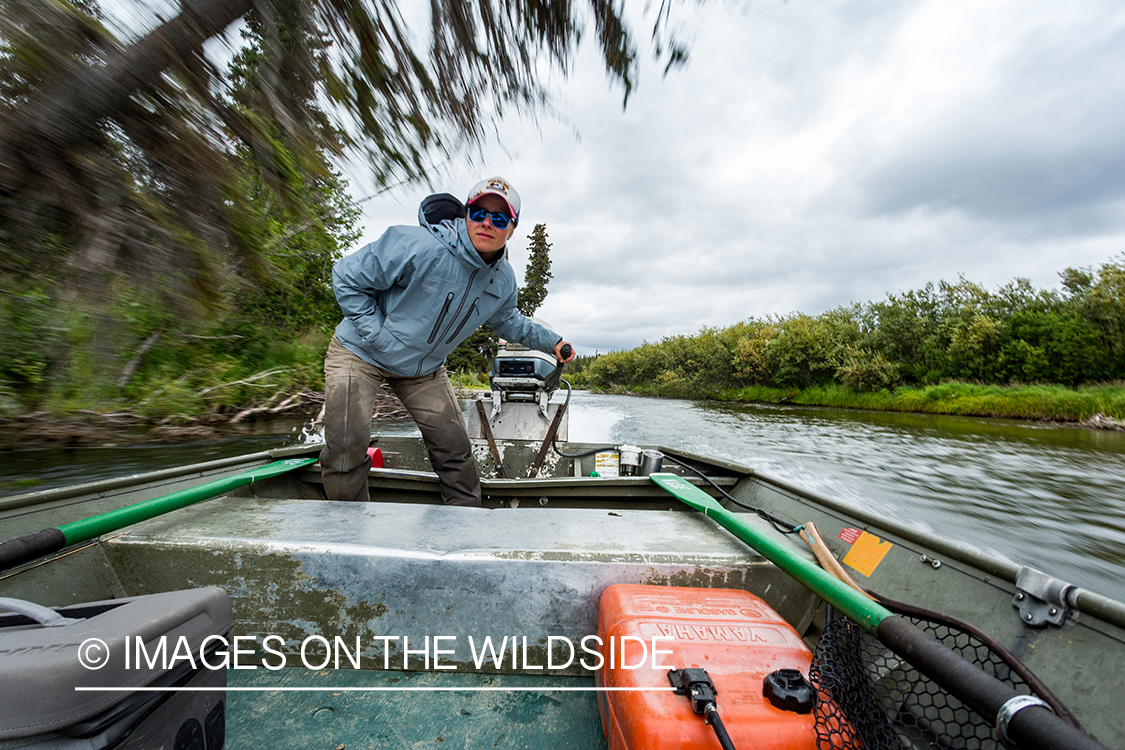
(1047, 496)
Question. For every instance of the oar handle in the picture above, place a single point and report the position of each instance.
(27, 548)
(827, 560)
(1033, 727)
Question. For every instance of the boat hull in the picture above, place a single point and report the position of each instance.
(529, 567)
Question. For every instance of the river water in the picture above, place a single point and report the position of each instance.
(1047, 496)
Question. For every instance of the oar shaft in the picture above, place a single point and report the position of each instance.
(27, 548)
(856, 605)
(103, 523)
(867, 613)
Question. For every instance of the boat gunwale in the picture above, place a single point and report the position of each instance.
(39, 497)
(1083, 600)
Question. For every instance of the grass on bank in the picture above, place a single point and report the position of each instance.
(469, 381)
(1056, 403)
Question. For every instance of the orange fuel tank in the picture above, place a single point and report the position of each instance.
(646, 630)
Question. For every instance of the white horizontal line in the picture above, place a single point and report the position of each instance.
(371, 689)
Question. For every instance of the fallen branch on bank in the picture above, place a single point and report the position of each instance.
(251, 381)
(290, 403)
(1102, 422)
(131, 368)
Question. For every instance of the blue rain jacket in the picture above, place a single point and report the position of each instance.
(411, 296)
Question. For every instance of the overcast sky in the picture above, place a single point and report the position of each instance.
(815, 154)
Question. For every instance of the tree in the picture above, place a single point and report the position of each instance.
(1101, 301)
(298, 245)
(537, 274)
(81, 341)
(78, 102)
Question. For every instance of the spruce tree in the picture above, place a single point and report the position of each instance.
(537, 274)
(398, 88)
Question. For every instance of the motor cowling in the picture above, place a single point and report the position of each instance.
(522, 374)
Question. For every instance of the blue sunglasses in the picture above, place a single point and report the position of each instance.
(499, 220)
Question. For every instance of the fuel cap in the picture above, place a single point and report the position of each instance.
(788, 690)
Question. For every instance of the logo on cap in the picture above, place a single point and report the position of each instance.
(498, 185)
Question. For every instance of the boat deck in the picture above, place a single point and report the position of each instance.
(378, 709)
(300, 568)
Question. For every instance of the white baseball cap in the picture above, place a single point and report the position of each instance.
(497, 186)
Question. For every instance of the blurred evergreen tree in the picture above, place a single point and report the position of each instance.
(396, 93)
(83, 337)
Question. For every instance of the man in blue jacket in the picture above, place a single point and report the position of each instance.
(409, 299)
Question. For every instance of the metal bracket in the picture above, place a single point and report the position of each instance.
(497, 404)
(1041, 599)
(1010, 709)
(544, 397)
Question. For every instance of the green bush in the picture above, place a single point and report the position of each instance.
(809, 350)
(974, 348)
(175, 400)
(864, 370)
(750, 341)
(469, 380)
(28, 319)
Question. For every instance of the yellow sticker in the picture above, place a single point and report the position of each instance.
(867, 552)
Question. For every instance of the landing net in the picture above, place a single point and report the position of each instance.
(868, 698)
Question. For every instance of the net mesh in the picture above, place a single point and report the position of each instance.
(868, 698)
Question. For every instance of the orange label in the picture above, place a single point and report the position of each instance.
(867, 552)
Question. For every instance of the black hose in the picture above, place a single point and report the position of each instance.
(778, 523)
(717, 724)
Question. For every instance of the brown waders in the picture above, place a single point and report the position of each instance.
(350, 388)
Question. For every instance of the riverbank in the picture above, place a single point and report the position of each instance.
(116, 427)
(88, 428)
(1101, 406)
(1098, 407)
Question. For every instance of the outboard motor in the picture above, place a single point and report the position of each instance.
(524, 379)
(522, 374)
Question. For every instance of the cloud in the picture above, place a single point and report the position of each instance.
(1031, 137)
(812, 156)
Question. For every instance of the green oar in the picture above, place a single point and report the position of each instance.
(867, 613)
(1032, 727)
(27, 548)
